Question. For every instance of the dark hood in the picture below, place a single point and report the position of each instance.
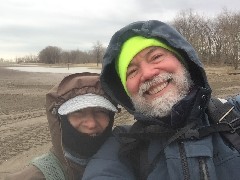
(110, 81)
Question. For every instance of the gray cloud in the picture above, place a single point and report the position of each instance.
(27, 26)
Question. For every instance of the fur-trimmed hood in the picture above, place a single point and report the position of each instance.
(70, 87)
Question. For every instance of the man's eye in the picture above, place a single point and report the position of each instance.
(131, 73)
(156, 57)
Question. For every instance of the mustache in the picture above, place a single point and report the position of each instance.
(157, 79)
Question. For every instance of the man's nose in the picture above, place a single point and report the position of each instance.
(148, 71)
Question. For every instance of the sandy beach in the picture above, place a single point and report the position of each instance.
(23, 125)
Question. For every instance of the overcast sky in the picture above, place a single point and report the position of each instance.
(28, 26)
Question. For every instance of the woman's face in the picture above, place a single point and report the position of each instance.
(92, 121)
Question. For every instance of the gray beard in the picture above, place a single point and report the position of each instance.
(162, 106)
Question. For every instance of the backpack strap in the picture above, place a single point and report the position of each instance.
(219, 111)
(223, 119)
(125, 135)
(226, 120)
(50, 166)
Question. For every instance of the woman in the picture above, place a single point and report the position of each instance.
(80, 117)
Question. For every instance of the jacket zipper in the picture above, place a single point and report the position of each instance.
(203, 169)
(184, 162)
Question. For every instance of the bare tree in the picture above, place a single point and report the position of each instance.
(216, 40)
(227, 25)
(50, 55)
(78, 57)
(195, 29)
(98, 51)
(27, 59)
(65, 57)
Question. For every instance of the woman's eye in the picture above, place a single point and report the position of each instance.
(101, 111)
(76, 115)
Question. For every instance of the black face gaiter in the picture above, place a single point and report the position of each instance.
(80, 143)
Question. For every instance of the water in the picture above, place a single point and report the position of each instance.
(55, 69)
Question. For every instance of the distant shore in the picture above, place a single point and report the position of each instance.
(54, 68)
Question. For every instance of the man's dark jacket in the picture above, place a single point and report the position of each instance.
(173, 156)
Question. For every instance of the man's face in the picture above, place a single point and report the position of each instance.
(156, 80)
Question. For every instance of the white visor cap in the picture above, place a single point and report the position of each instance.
(85, 101)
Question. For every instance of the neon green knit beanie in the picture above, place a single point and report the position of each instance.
(131, 48)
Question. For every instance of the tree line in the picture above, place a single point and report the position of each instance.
(56, 55)
(217, 41)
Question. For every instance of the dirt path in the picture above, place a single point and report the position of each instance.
(23, 125)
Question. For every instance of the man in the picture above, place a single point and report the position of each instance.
(152, 71)
(80, 117)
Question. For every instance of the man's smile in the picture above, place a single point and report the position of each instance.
(156, 88)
